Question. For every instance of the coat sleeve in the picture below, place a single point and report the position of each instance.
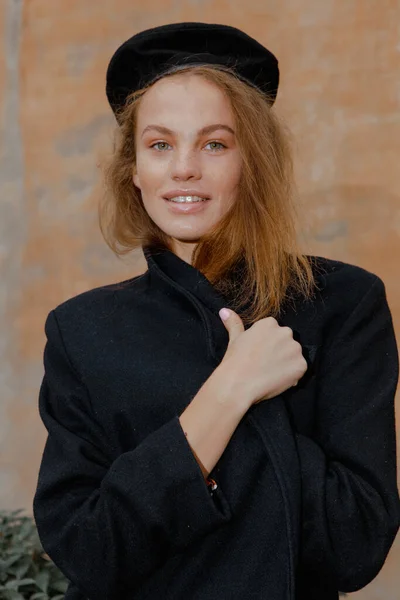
(350, 509)
(109, 522)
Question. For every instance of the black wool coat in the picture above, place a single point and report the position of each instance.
(307, 501)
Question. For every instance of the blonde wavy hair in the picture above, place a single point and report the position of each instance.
(256, 240)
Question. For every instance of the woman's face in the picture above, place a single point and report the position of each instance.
(186, 146)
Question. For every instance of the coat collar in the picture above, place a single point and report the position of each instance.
(174, 271)
(170, 270)
(184, 275)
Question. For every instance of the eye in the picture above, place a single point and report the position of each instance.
(221, 146)
(160, 144)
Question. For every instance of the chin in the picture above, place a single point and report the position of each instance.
(189, 237)
(187, 240)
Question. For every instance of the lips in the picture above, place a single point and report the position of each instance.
(174, 193)
(186, 199)
(186, 207)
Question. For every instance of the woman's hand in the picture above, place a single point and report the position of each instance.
(263, 361)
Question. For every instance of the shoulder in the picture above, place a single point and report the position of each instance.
(343, 282)
(89, 311)
(343, 291)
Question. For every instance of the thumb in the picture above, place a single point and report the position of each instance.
(232, 322)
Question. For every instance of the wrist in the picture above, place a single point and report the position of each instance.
(228, 390)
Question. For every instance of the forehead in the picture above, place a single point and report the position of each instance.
(185, 97)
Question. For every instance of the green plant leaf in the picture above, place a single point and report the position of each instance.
(23, 568)
(15, 584)
(5, 564)
(42, 580)
(12, 595)
(26, 530)
(12, 584)
(26, 571)
(60, 586)
(26, 581)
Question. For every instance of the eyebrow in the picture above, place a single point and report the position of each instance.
(204, 131)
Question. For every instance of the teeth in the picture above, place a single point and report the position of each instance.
(186, 199)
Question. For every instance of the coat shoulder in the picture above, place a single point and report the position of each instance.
(91, 306)
(340, 288)
(335, 278)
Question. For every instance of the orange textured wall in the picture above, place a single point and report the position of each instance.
(340, 95)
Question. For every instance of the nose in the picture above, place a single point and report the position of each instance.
(185, 165)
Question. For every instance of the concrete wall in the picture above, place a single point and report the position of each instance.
(340, 95)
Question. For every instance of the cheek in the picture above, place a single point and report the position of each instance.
(226, 176)
(149, 172)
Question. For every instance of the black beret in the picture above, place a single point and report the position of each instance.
(151, 54)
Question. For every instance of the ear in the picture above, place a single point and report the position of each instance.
(135, 178)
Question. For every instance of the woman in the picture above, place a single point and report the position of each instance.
(190, 456)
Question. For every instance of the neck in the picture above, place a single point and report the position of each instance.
(184, 250)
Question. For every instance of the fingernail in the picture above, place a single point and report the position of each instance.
(224, 313)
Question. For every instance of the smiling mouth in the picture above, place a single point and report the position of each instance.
(186, 199)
